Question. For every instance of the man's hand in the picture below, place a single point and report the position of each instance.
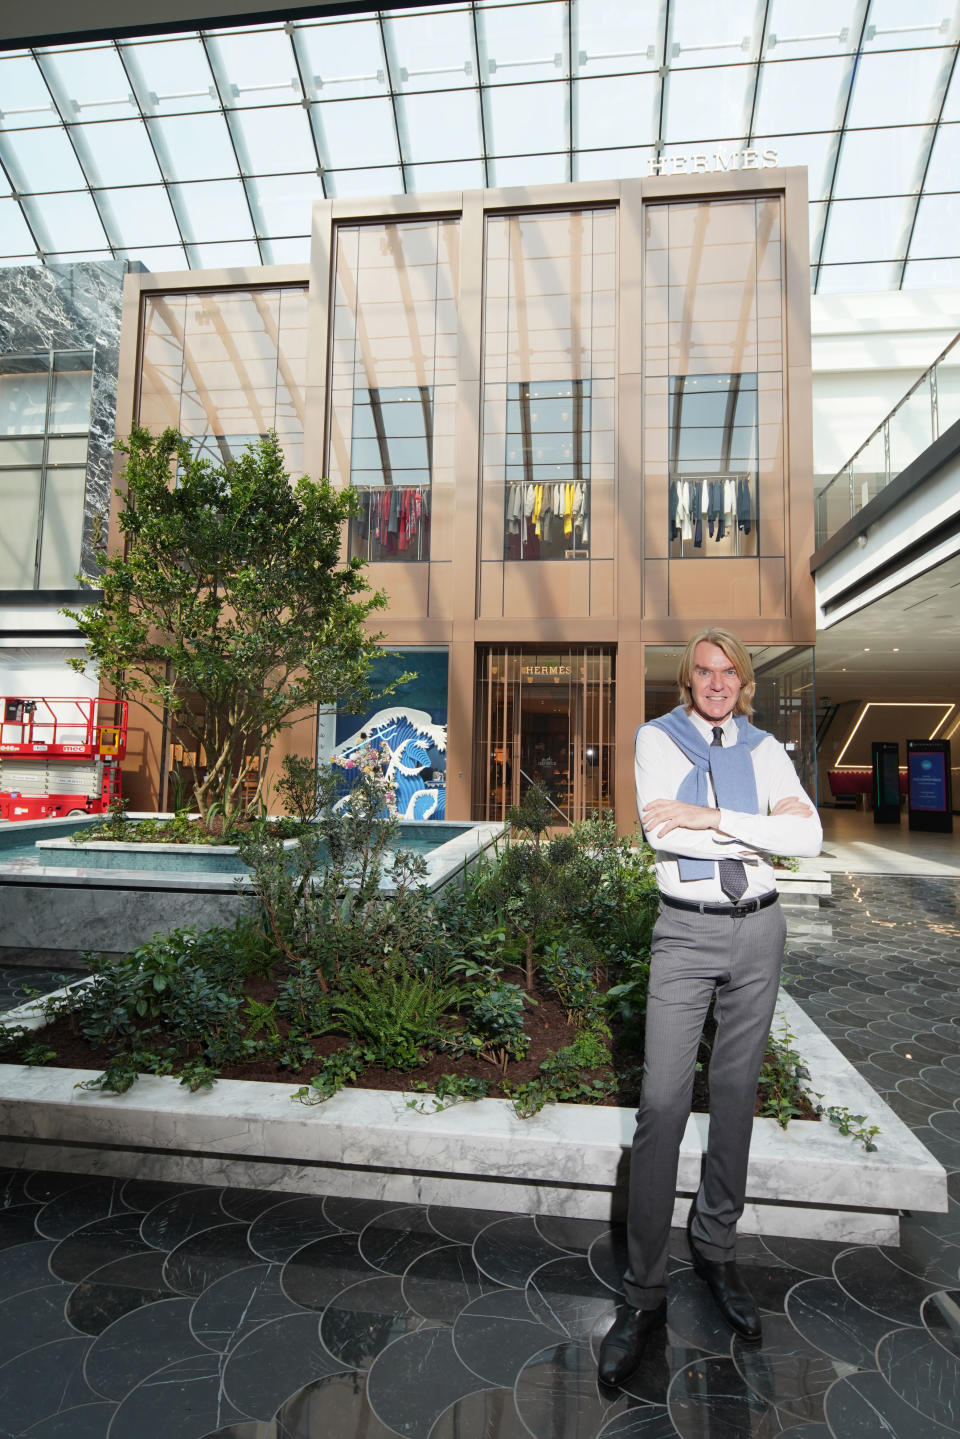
(790, 804)
(674, 814)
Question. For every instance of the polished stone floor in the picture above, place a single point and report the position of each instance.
(135, 1310)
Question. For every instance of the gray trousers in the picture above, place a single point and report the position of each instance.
(694, 956)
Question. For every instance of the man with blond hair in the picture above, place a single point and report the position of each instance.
(717, 797)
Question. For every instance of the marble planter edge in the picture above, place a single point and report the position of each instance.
(806, 1180)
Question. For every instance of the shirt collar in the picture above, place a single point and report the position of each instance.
(705, 728)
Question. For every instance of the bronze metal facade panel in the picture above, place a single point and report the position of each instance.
(693, 276)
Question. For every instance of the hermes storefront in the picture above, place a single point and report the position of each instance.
(578, 420)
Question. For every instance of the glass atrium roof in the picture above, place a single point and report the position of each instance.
(207, 148)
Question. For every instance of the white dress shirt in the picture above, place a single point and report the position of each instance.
(660, 768)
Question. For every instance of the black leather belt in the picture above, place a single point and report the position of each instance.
(735, 911)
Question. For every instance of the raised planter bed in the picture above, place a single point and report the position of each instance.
(807, 1180)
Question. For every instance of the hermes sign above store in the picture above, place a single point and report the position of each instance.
(704, 164)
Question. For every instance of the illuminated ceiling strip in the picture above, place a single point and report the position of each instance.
(891, 704)
(943, 721)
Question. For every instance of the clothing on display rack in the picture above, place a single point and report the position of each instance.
(724, 502)
(397, 517)
(547, 514)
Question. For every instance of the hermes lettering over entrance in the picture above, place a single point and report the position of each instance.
(704, 164)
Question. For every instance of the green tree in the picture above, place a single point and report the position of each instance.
(229, 611)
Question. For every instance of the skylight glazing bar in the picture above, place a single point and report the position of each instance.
(303, 70)
(403, 149)
(815, 262)
(480, 94)
(935, 131)
(222, 84)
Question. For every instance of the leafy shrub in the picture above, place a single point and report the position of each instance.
(495, 1019)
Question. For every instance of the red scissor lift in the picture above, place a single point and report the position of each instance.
(60, 756)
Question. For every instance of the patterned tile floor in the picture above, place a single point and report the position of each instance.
(135, 1310)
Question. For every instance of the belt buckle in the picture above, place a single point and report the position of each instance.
(740, 911)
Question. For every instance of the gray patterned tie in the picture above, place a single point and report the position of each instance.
(733, 876)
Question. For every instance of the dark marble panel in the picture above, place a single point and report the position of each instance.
(643, 1421)
(920, 1093)
(174, 1219)
(863, 1406)
(871, 1279)
(356, 1214)
(575, 1235)
(273, 1361)
(438, 1284)
(826, 1316)
(139, 1343)
(709, 1400)
(246, 1429)
(18, 1224)
(33, 1318)
(392, 1241)
(486, 1414)
(509, 1250)
(206, 1257)
(812, 1256)
(41, 1382)
(943, 1080)
(284, 1228)
(185, 1399)
(364, 1319)
(496, 1335)
(663, 1356)
(229, 1308)
(77, 1208)
(941, 1317)
(413, 1381)
(786, 1370)
(912, 1049)
(947, 1123)
(146, 1194)
(117, 1289)
(13, 1187)
(88, 1421)
(89, 1249)
(607, 1257)
(319, 1272)
(926, 1255)
(337, 1405)
(922, 1372)
(459, 1226)
(693, 1316)
(558, 1396)
(25, 1266)
(565, 1295)
(249, 1204)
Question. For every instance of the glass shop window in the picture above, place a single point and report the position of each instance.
(547, 492)
(714, 494)
(391, 459)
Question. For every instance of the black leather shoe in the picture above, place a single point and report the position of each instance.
(623, 1344)
(731, 1295)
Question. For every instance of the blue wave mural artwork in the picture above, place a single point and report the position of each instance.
(416, 758)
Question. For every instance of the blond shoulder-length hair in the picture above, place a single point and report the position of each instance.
(737, 656)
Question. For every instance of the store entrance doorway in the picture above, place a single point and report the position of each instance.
(544, 717)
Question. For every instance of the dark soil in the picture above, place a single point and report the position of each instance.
(546, 1024)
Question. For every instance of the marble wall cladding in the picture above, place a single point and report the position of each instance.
(74, 918)
(74, 307)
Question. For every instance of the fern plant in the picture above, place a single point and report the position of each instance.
(392, 1009)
